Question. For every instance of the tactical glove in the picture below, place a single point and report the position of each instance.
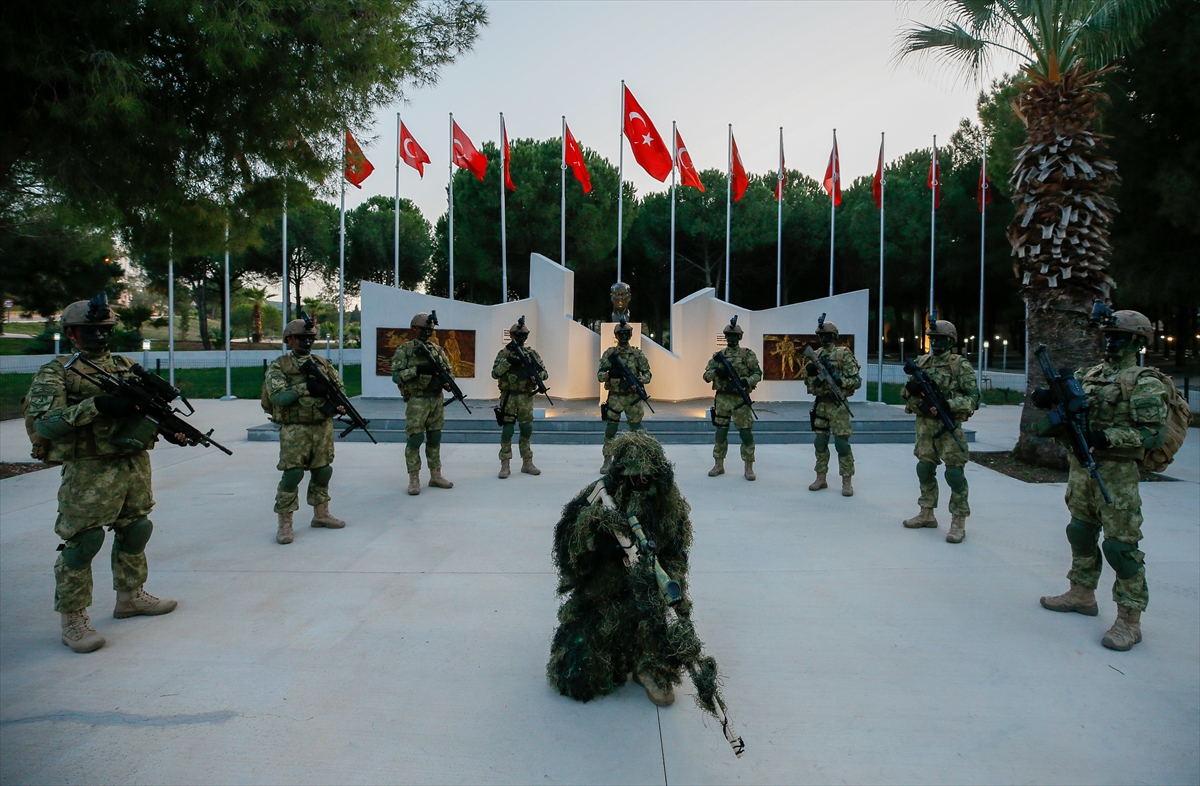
(424, 367)
(514, 359)
(1098, 439)
(914, 388)
(811, 369)
(114, 406)
(316, 387)
(614, 373)
(1042, 398)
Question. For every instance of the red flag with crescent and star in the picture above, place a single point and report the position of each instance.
(781, 176)
(935, 179)
(358, 168)
(877, 183)
(985, 186)
(833, 176)
(574, 159)
(507, 156)
(466, 156)
(740, 179)
(411, 153)
(688, 176)
(648, 147)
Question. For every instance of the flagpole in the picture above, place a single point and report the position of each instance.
(171, 308)
(982, 228)
(779, 230)
(225, 318)
(728, 205)
(562, 233)
(833, 186)
(882, 202)
(503, 221)
(283, 242)
(621, 182)
(674, 160)
(935, 172)
(452, 206)
(396, 210)
(342, 274)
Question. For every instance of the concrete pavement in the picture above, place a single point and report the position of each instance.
(411, 646)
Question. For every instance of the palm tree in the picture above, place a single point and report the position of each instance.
(1060, 181)
(257, 298)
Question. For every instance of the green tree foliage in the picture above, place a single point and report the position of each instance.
(371, 238)
(312, 247)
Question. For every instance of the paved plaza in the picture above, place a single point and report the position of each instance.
(411, 646)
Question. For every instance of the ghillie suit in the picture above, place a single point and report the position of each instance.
(615, 619)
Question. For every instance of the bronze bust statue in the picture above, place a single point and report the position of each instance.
(620, 295)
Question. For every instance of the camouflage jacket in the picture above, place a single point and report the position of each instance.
(61, 404)
(1132, 424)
(509, 376)
(633, 359)
(845, 365)
(744, 362)
(409, 379)
(287, 389)
(955, 378)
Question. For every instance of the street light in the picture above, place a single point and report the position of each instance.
(57, 338)
(902, 350)
(1006, 354)
(985, 354)
(145, 352)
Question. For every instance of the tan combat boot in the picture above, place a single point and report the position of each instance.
(847, 486)
(819, 483)
(660, 696)
(606, 466)
(323, 518)
(505, 469)
(1079, 599)
(718, 468)
(139, 603)
(1125, 632)
(923, 519)
(749, 473)
(284, 535)
(414, 483)
(77, 632)
(958, 529)
(528, 468)
(437, 481)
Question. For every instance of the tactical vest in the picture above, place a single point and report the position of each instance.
(307, 409)
(92, 440)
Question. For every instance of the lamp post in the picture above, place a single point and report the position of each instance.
(902, 350)
(57, 339)
(328, 356)
(1005, 355)
(985, 355)
(145, 353)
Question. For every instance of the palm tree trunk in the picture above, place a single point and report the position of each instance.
(256, 323)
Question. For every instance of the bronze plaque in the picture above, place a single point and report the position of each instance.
(459, 346)
(783, 354)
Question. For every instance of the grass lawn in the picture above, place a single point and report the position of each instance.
(891, 395)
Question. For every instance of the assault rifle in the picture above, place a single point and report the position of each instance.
(826, 374)
(932, 398)
(629, 380)
(153, 396)
(320, 386)
(530, 369)
(1070, 410)
(709, 694)
(738, 385)
(442, 377)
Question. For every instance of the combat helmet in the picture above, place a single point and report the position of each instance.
(423, 320)
(519, 327)
(304, 326)
(825, 326)
(623, 327)
(733, 327)
(1124, 321)
(941, 327)
(89, 312)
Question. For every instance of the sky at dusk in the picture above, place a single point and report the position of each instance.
(809, 67)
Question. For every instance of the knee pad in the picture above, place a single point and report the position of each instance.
(610, 430)
(79, 551)
(927, 472)
(1120, 556)
(291, 479)
(956, 478)
(526, 430)
(506, 432)
(322, 475)
(435, 440)
(747, 436)
(842, 444)
(414, 441)
(722, 433)
(133, 537)
(822, 441)
(1082, 536)
(635, 426)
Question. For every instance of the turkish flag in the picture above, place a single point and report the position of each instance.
(985, 187)
(740, 180)
(648, 147)
(935, 179)
(781, 177)
(877, 183)
(411, 153)
(833, 176)
(358, 168)
(688, 176)
(466, 156)
(574, 159)
(508, 183)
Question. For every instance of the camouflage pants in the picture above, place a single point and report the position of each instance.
(727, 408)
(303, 446)
(95, 493)
(617, 403)
(424, 417)
(1121, 523)
(930, 453)
(518, 409)
(833, 418)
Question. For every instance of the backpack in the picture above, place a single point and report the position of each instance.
(1179, 415)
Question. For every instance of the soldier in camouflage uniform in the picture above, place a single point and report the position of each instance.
(305, 430)
(516, 398)
(620, 397)
(828, 416)
(1127, 417)
(955, 378)
(727, 403)
(424, 414)
(101, 442)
